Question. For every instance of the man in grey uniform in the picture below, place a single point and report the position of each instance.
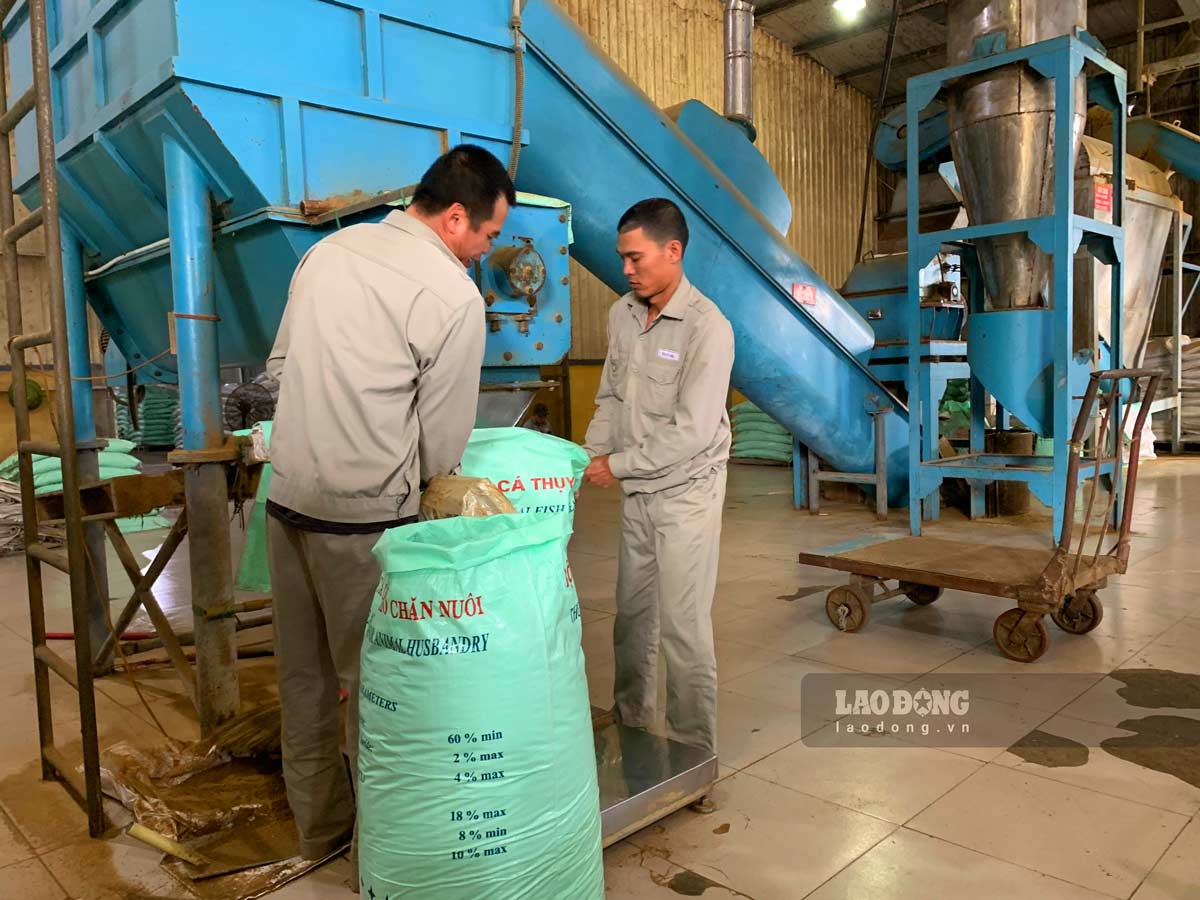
(378, 360)
(661, 430)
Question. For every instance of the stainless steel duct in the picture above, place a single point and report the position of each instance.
(1002, 136)
(739, 64)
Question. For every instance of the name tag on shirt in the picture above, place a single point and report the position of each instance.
(668, 354)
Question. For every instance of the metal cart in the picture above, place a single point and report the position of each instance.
(1062, 582)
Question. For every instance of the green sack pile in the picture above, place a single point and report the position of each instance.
(954, 410)
(115, 461)
(477, 771)
(158, 413)
(757, 436)
(539, 473)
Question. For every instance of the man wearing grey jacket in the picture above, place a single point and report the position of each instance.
(378, 360)
(662, 433)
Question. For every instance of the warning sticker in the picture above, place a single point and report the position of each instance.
(805, 294)
(1104, 198)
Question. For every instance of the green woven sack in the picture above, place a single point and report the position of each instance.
(539, 473)
(477, 770)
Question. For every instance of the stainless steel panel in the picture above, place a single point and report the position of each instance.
(644, 777)
(503, 408)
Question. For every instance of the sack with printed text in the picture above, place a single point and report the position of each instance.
(477, 771)
(539, 473)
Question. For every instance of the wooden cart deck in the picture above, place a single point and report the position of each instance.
(955, 565)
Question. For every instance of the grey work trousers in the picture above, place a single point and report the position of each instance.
(666, 578)
(323, 586)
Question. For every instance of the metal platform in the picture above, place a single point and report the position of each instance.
(644, 778)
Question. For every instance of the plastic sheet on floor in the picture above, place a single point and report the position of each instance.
(232, 810)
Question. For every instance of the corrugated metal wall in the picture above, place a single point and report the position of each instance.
(813, 131)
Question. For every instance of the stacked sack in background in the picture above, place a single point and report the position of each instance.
(477, 771)
(159, 410)
(1159, 356)
(158, 413)
(757, 436)
(125, 429)
(116, 460)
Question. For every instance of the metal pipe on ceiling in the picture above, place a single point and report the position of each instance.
(739, 64)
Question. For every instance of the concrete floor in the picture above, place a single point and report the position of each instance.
(896, 820)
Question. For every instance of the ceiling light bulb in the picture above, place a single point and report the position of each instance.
(849, 10)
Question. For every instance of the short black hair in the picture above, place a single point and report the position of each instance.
(468, 175)
(660, 218)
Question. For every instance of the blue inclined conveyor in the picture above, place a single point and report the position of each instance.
(598, 141)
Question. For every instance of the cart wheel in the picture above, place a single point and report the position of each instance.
(847, 608)
(1080, 612)
(920, 594)
(1011, 645)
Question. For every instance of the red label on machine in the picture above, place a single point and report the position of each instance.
(805, 294)
(1104, 198)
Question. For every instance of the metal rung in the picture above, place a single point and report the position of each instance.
(26, 225)
(18, 110)
(49, 555)
(36, 339)
(67, 773)
(43, 448)
(58, 665)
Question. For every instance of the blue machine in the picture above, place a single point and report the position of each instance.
(151, 88)
(1027, 358)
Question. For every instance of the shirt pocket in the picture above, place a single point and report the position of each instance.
(661, 389)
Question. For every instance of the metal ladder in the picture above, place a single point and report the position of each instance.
(74, 562)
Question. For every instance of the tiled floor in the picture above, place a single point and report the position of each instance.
(1116, 813)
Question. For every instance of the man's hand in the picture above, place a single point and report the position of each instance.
(599, 473)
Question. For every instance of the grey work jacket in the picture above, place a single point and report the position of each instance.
(661, 405)
(378, 360)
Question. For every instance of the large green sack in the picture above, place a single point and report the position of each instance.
(539, 473)
(477, 771)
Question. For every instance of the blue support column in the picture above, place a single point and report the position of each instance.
(1116, 330)
(189, 216)
(79, 354)
(1067, 67)
(799, 474)
(930, 401)
(79, 349)
(913, 380)
(978, 434)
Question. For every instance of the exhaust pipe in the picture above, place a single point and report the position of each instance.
(739, 65)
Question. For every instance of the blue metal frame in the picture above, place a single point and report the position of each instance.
(1058, 234)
